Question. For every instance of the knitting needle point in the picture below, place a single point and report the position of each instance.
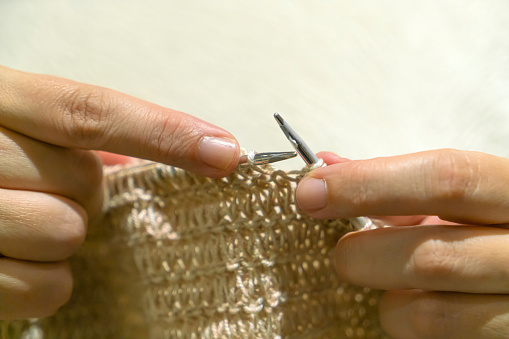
(311, 159)
(265, 158)
(300, 146)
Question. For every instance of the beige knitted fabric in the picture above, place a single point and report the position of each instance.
(182, 256)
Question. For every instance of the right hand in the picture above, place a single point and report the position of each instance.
(50, 181)
(445, 267)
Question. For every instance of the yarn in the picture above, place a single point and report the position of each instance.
(178, 255)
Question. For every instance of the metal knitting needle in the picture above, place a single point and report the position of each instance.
(311, 159)
(300, 146)
(265, 158)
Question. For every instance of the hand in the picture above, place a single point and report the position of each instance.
(445, 280)
(50, 184)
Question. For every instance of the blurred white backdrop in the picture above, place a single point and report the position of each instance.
(358, 77)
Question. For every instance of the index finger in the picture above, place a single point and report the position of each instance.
(75, 115)
(460, 186)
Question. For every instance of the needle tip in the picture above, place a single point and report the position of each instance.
(279, 118)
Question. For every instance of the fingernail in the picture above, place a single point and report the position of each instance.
(217, 152)
(311, 194)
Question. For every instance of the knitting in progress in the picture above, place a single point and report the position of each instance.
(178, 255)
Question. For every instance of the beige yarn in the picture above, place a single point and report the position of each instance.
(182, 256)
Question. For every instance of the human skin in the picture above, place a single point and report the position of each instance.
(445, 264)
(50, 180)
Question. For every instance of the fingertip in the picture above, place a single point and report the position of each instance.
(311, 194)
(395, 309)
(33, 289)
(350, 264)
(220, 155)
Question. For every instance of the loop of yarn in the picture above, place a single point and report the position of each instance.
(183, 256)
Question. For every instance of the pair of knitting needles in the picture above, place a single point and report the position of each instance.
(300, 146)
(306, 154)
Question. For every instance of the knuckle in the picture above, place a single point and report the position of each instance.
(456, 174)
(85, 116)
(429, 317)
(358, 191)
(173, 140)
(433, 259)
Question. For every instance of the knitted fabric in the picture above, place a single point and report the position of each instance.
(182, 256)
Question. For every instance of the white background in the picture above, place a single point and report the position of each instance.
(361, 78)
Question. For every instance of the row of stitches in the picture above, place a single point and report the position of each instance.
(216, 297)
(261, 326)
(163, 264)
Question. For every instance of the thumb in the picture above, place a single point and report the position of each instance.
(75, 115)
(459, 186)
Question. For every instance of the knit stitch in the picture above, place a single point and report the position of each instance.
(178, 255)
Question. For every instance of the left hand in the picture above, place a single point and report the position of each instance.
(51, 183)
(444, 280)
